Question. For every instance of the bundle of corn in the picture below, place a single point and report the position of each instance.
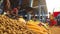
(13, 26)
(36, 28)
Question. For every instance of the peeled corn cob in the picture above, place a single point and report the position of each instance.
(36, 28)
(12, 26)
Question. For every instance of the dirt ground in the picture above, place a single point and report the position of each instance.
(55, 30)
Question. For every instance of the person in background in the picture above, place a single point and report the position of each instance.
(8, 13)
(52, 20)
(6, 4)
(19, 8)
(1, 7)
(1, 11)
(29, 11)
(15, 12)
(58, 20)
(14, 3)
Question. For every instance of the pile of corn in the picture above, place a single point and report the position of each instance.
(39, 29)
(13, 26)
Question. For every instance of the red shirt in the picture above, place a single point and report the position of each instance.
(53, 22)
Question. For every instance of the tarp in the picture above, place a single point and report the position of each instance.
(56, 13)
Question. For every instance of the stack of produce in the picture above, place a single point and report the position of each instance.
(39, 29)
(13, 26)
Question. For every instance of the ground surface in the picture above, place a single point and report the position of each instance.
(55, 30)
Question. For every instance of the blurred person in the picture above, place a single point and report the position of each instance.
(52, 20)
(15, 13)
(1, 7)
(6, 4)
(30, 12)
(1, 11)
(8, 13)
(58, 20)
(14, 3)
(18, 8)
